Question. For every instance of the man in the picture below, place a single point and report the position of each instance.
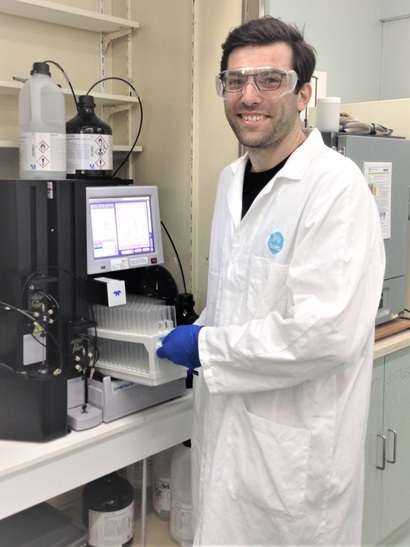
(286, 345)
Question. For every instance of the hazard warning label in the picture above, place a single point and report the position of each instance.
(89, 152)
(42, 152)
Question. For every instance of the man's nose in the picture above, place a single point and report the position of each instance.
(250, 92)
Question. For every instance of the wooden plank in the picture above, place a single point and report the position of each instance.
(392, 327)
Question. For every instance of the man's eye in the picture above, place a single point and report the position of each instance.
(234, 81)
(270, 79)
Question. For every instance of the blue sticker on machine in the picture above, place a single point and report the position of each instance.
(275, 243)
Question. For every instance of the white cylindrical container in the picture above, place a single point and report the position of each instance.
(41, 109)
(161, 483)
(328, 113)
(181, 529)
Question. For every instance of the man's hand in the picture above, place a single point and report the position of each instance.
(181, 346)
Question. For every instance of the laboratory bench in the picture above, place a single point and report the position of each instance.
(34, 472)
(31, 473)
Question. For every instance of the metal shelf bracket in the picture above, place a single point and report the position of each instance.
(108, 37)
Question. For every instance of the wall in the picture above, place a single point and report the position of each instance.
(334, 29)
(394, 114)
(214, 145)
(357, 44)
(395, 76)
(395, 68)
(162, 73)
(186, 139)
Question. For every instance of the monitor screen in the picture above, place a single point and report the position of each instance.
(123, 228)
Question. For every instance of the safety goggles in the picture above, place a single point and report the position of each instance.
(270, 82)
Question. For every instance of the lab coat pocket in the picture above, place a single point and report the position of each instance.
(267, 464)
(267, 287)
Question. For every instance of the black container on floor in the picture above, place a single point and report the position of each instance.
(108, 511)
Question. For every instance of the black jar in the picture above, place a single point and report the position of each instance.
(108, 511)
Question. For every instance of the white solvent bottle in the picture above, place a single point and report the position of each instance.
(41, 109)
(161, 483)
(181, 529)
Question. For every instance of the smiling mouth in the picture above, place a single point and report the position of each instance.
(252, 117)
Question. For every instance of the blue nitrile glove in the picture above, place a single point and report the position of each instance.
(181, 346)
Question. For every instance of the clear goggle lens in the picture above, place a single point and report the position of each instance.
(268, 81)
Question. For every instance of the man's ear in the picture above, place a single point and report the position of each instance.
(304, 95)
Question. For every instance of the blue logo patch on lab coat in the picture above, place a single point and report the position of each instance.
(275, 243)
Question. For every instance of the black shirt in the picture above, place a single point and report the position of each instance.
(253, 183)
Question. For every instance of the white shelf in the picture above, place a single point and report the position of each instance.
(10, 88)
(50, 12)
(105, 98)
(117, 148)
(122, 148)
(13, 89)
(108, 99)
(9, 144)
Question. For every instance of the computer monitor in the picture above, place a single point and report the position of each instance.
(123, 228)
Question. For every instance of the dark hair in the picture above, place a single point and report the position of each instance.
(269, 30)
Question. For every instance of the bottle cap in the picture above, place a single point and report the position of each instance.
(186, 299)
(86, 100)
(41, 68)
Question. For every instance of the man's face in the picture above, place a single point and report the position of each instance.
(261, 120)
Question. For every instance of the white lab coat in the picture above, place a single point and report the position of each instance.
(281, 399)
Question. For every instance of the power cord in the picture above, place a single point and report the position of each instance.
(176, 254)
(141, 115)
(67, 79)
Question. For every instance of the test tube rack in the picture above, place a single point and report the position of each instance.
(128, 337)
(133, 357)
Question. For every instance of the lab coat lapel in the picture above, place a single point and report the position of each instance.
(235, 190)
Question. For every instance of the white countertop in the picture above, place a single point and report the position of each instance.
(392, 343)
(34, 472)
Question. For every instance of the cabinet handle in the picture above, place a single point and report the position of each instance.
(383, 466)
(394, 433)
